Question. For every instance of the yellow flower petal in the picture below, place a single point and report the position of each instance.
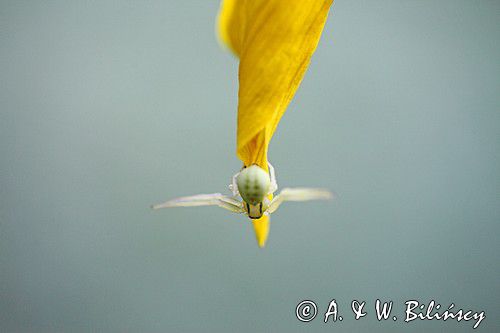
(261, 227)
(274, 40)
(228, 24)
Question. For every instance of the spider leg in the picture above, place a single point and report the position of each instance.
(274, 185)
(214, 199)
(231, 204)
(233, 187)
(299, 194)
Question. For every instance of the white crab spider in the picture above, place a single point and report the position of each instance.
(253, 185)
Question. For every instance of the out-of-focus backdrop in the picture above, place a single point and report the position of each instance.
(107, 107)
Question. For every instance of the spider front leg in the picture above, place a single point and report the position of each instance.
(233, 187)
(273, 187)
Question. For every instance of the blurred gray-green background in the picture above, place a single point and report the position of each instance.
(109, 106)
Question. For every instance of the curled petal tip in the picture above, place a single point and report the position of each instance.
(261, 227)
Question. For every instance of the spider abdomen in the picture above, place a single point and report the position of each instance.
(253, 184)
